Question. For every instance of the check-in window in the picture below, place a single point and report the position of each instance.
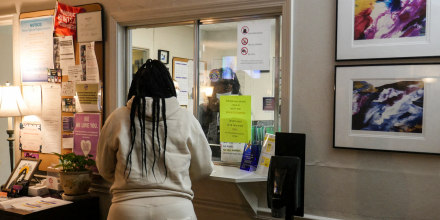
(234, 91)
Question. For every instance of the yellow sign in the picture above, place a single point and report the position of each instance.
(235, 119)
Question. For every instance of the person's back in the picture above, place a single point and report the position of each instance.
(169, 147)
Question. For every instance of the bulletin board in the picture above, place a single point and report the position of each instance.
(48, 159)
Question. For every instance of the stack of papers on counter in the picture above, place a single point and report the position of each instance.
(33, 204)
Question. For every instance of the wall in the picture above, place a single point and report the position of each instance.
(350, 184)
(5, 75)
(178, 40)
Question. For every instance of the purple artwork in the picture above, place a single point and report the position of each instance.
(381, 19)
(388, 105)
(86, 133)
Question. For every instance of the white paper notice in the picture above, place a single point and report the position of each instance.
(36, 48)
(89, 26)
(67, 55)
(51, 136)
(75, 73)
(67, 89)
(88, 62)
(51, 102)
(253, 50)
(68, 141)
(51, 118)
(32, 98)
(231, 152)
(181, 76)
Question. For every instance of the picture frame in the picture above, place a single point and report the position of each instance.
(387, 107)
(89, 26)
(361, 35)
(163, 56)
(24, 170)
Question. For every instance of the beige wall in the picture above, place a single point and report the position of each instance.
(350, 184)
(5, 75)
(346, 184)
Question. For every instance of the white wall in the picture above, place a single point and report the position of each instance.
(343, 183)
(178, 40)
(5, 75)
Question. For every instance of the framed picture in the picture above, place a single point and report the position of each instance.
(23, 171)
(387, 29)
(163, 56)
(89, 26)
(388, 107)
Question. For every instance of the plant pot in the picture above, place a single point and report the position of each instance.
(76, 183)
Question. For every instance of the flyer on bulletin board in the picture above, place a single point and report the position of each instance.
(86, 133)
(235, 119)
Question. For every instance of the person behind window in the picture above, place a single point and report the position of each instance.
(224, 82)
(151, 149)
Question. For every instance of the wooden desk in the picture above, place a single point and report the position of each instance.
(84, 209)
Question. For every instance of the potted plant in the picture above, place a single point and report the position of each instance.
(76, 174)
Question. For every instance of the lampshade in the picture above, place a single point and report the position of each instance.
(12, 103)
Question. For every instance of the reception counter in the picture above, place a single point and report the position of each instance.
(229, 193)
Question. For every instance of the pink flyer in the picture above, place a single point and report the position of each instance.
(86, 133)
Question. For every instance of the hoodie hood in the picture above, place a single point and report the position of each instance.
(171, 105)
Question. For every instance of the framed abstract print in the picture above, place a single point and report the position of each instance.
(378, 29)
(388, 107)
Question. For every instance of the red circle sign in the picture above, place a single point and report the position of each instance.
(244, 41)
(244, 30)
(244, 51)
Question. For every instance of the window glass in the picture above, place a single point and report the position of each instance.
(222, 76)
(175, 45)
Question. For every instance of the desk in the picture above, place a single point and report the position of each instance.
(79, 210)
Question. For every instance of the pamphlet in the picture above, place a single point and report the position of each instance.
(267, 151)
(35, 204)
(250, 157)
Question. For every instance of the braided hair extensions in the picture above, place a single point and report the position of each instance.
(151, 80)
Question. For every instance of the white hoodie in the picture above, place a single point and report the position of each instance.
(187, 154)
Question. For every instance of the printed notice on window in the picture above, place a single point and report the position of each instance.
(253, 45)
(235, 119)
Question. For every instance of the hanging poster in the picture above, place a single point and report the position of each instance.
(181, 76)
(253, 45)
(89, 26)
(86, 133)
(51, 118)
(235, 119)
(30, 136)
(36, 48)
(88, 96)
(32, 98)
(65, 19)
(65, 52)
(88, 62)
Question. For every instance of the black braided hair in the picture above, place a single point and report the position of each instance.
(151, 80)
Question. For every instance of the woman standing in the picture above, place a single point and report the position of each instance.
(151, 149)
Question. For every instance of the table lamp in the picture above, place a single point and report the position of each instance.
(11, 105)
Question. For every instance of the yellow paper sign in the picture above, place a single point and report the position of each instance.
(235, 119)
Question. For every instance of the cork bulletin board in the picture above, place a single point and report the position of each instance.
(46, 158)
